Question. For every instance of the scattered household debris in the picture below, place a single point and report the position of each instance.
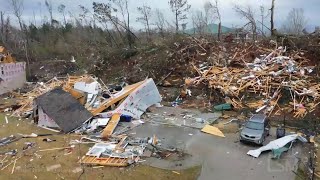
(83, 105)
(276, 144)
(126, 152)
(8, 140)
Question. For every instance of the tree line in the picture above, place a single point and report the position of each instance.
(109, 24)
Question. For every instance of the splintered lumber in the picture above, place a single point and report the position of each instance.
(26, 101)
(112, 124)
(259, 79)
(212, 130)
(118, 97)
(109, 161)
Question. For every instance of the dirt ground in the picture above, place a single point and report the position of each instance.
(204, 151)
(64, 164)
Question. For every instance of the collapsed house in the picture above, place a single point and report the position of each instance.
(69, 104)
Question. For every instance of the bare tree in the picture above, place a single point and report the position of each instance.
(208, 12)
(61, 9)
(145, 12)
(199, 21)
(49, 7)
(83, 16)
(160, 21)
(247, 13)
(263, 15)
(103, 13)
(272, 18)
(124, 10)
(213, 12)
(295, 22)
(180, 9)
(17, 6)
(4, 28)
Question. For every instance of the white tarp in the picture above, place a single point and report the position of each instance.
(138, 101)
(276, 144)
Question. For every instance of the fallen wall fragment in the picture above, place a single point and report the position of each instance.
(115, 99)
(144, 96)
(12, 76)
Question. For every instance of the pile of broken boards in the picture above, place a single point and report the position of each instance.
(85, 106)
(265, 80)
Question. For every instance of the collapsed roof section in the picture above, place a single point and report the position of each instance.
(63, 109)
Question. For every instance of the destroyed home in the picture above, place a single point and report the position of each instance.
(173, 89)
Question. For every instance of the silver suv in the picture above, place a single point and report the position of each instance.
(256, 129)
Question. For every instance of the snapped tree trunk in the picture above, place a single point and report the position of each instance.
(219, 31)
(129, 36)
(177, 22)
(2, 27)
(272, 20)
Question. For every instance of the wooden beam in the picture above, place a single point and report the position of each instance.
(108, 130)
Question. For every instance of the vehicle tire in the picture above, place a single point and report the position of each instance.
(262, 141)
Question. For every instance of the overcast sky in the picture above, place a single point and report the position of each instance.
(229, 17)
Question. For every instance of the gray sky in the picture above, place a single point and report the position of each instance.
(229, 17)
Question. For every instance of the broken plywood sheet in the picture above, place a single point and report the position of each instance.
(138, 101)
(64, 109)
(212, 130)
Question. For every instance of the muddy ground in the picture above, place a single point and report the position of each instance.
(64, 164)
(205, 156)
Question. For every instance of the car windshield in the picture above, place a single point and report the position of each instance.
(254, 125)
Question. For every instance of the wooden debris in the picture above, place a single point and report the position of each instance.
(264, 79)
(112, 124)
(212, 130)
(109, 161)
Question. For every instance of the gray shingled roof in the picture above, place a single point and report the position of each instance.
(64, 109)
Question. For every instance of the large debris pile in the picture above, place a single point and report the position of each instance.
(83, 105)
(266, 79)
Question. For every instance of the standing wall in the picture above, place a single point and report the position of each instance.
(12, 76)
